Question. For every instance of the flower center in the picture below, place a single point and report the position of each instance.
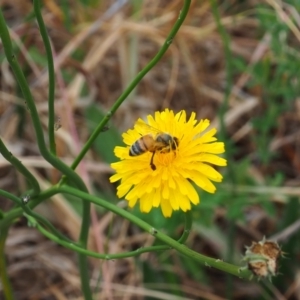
(166, 159)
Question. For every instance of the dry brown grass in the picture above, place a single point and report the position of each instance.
(191, 76)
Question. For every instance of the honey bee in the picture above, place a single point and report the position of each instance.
(157, 141)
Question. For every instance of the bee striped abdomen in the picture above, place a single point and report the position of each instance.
(136, 149)
(142, 145)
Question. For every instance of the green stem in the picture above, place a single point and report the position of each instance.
(134, 83)
(6, 285)
(169, 242)
(9, 217)
(7, 45)
(21, 168)
(58, 237)
(120, 100)
(187, 227)
(51, 74)
(54, 161)
(34, 217)
(82, 258)
(77, 248)
(208, 261)
(212, 262)
(64, 241)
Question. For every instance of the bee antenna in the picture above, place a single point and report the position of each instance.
(152, 165)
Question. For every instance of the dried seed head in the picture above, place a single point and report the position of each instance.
(262, 258)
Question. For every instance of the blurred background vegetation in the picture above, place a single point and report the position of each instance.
(234, 62)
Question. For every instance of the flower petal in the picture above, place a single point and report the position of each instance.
(215, 148)
(132, 202)
(166, 208)
(146, 203)
(156, 198)
(191, 192)
(175, 198)
(206, 157)
(165, 191)
(202, 181)
(123, 190)
(185, 204)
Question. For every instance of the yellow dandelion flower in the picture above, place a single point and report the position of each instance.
(163, 158)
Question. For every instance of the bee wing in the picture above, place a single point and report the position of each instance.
(146, 128)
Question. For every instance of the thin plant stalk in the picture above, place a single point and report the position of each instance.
(21, 168)
(168, 243)
(53, 160)
(134, 83)
(51, 75)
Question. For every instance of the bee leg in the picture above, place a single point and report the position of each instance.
(152, 165)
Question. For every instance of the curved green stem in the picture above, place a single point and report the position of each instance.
(77, 248)
(51, 74)
(169, 242)
(21, 168)
(7, 45)
(208, 261)
(64, 241)
(36, 217)
(9, 217)
(187, 227)
(82, 258)
(54, 161)
(58, 237)
(134, 83)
